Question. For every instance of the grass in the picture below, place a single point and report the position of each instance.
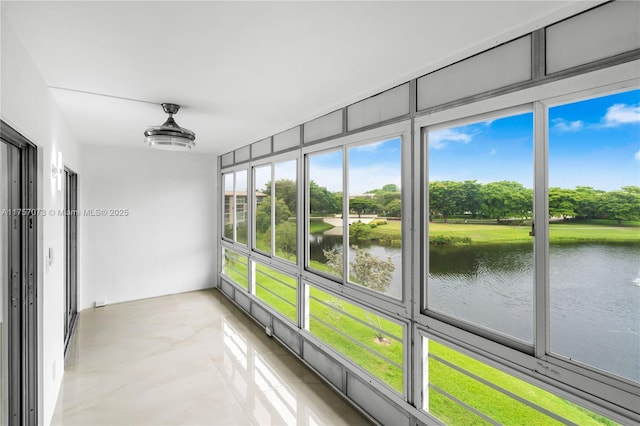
(474, 393)
(483, 233)
(494, 404)
(360, 333)
(317, 226)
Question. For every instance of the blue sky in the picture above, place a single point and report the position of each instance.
(595, 143)
(371, 166)
(488, 151)
(591, 143)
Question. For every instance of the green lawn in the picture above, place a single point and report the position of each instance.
(565, 232)
(483, 398)
(496, 405)
(317, 226)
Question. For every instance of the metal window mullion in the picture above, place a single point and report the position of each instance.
(302, 220)
(272, 168)
(418, 259)
(251, 207)
(234, 213)
(541, 232)
(345, 214)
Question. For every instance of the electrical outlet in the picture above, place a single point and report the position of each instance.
(99, 303)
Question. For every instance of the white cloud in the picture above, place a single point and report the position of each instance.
(562, 125)
(328, 177)
(366, 178)
(618, 114)
(439, 138)
(637, 155)
(372, 147)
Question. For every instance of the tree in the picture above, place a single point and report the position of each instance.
(362, 205)
(321, 201)
(286, 237)
(586, 202)
(359, 232)
(620, 205)
(471, 197)
(445, 198)
(394, 208)
(263, 214)
(390, 187)
(562, 202)
(506, 198)
(285, 190)
(368, 270)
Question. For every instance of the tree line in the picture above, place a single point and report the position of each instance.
(469, 199)
(508, 199)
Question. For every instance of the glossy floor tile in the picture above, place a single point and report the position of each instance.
(188, 359)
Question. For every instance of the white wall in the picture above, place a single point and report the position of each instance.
(27, 105)
(166, 244)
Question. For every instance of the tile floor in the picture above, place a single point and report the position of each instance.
(188, 359)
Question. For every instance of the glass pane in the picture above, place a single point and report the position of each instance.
(228, 205)
(594, 232)
(372, 342)
(286, 202)
(263, 208)
(480, 209)
(278, 290)
(234, 267)
(325, 209)
(375, 228)
(242, 223)
(460, 390)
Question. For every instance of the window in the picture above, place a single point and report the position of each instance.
(370, 223)
(262, 180)
(480, 205)
(594, 232)
(241, 193)
(276, 204)
(423, 271)
(278, 290)
(235, 206)
(375, 222)
(325, 210)
(228, 205)
(234, 267)
(366, 338)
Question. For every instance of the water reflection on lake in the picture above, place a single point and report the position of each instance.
(594, 294)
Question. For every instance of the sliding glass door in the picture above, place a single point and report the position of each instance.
(18, 340)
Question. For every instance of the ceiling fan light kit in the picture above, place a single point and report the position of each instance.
(169, 136)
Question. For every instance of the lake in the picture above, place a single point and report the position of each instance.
(594, 293)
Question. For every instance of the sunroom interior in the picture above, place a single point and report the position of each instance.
(432, 206)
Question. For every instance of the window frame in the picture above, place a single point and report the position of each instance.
(374, 299)
(595, 389)
(233, 170)
(424, 196)
(407, 354)
(271, 162)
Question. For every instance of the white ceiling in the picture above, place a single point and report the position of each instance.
(243, 71)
